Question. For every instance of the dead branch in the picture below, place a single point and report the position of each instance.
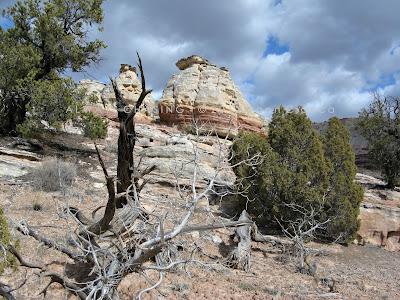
(302, 230)
(27, 230)
(104, 223)
(240, 256)
(6, 291)
(70, 286)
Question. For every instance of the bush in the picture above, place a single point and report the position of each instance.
(380, 125)
(54, 175)
(301, 173)
(255, 180)
(45, 41)
(6, 259)
(93, 126)
(295, 171)
(344, 195)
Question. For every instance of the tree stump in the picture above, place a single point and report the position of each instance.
(240, 256)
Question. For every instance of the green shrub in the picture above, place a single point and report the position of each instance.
(93, 126)
(45, 41)
(344, 195)
(295, 171)
(53, 103)
(255, 180)
(6, 259)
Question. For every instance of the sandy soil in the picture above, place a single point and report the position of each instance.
(361, 272)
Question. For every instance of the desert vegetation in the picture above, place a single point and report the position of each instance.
(380, 123)
(105, 200)
(302, 171)
(48, 37)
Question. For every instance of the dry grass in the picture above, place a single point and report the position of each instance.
(53, 175)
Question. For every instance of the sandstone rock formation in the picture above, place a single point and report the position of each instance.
(15, 163)
(379, 214)
(173, 152)
(130, 87)
(207, 94)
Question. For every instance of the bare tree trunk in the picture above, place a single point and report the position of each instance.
(127, 136)
(240, 256)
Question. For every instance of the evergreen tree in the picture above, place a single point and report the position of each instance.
(293, 171)
(47, 38)
(257, 184)
(344, 195)
(303, 177)
(300, 170)
(380, 125)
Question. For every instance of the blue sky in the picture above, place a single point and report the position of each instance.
(327, 56)
(273, 46)
(5, 23)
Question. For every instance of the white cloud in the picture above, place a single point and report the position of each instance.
(322, 90)
(337, 49)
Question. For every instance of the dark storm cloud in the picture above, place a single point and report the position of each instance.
(337, 51)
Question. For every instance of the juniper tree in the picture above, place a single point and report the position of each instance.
(303, 179)
(256, 184)
(47, 38)
(379, 123)
(294, 170)
(344, 194)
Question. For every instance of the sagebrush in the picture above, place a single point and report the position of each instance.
(53, 175)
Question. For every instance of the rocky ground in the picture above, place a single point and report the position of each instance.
(361, 272)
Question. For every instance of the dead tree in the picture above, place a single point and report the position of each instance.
(240, 256)
(301, 231)
(128, 237)
(127, 136)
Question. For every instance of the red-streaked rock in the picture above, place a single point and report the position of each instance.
(204, 93)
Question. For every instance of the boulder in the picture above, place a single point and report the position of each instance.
(207, 94)
(15, 163)
(379, 214)
(130, 87)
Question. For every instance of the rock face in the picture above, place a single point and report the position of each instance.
(379, 215)
(207, 94)
(15, 163)
(173, 152)
(130, 87)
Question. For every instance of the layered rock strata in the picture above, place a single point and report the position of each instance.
(205, 93)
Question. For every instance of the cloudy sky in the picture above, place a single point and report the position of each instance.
(322, 54)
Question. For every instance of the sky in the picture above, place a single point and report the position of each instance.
(327, 56)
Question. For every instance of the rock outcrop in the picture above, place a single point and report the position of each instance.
(173, 153)
(207, 94)
(130, 87)
(379, 214)
(15, 163)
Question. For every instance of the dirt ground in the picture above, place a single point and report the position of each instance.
(360, 272)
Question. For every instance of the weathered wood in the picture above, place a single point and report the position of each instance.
(127, 136)
(6, 291)
(274, 240)
(104, 223)
(240, 256)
